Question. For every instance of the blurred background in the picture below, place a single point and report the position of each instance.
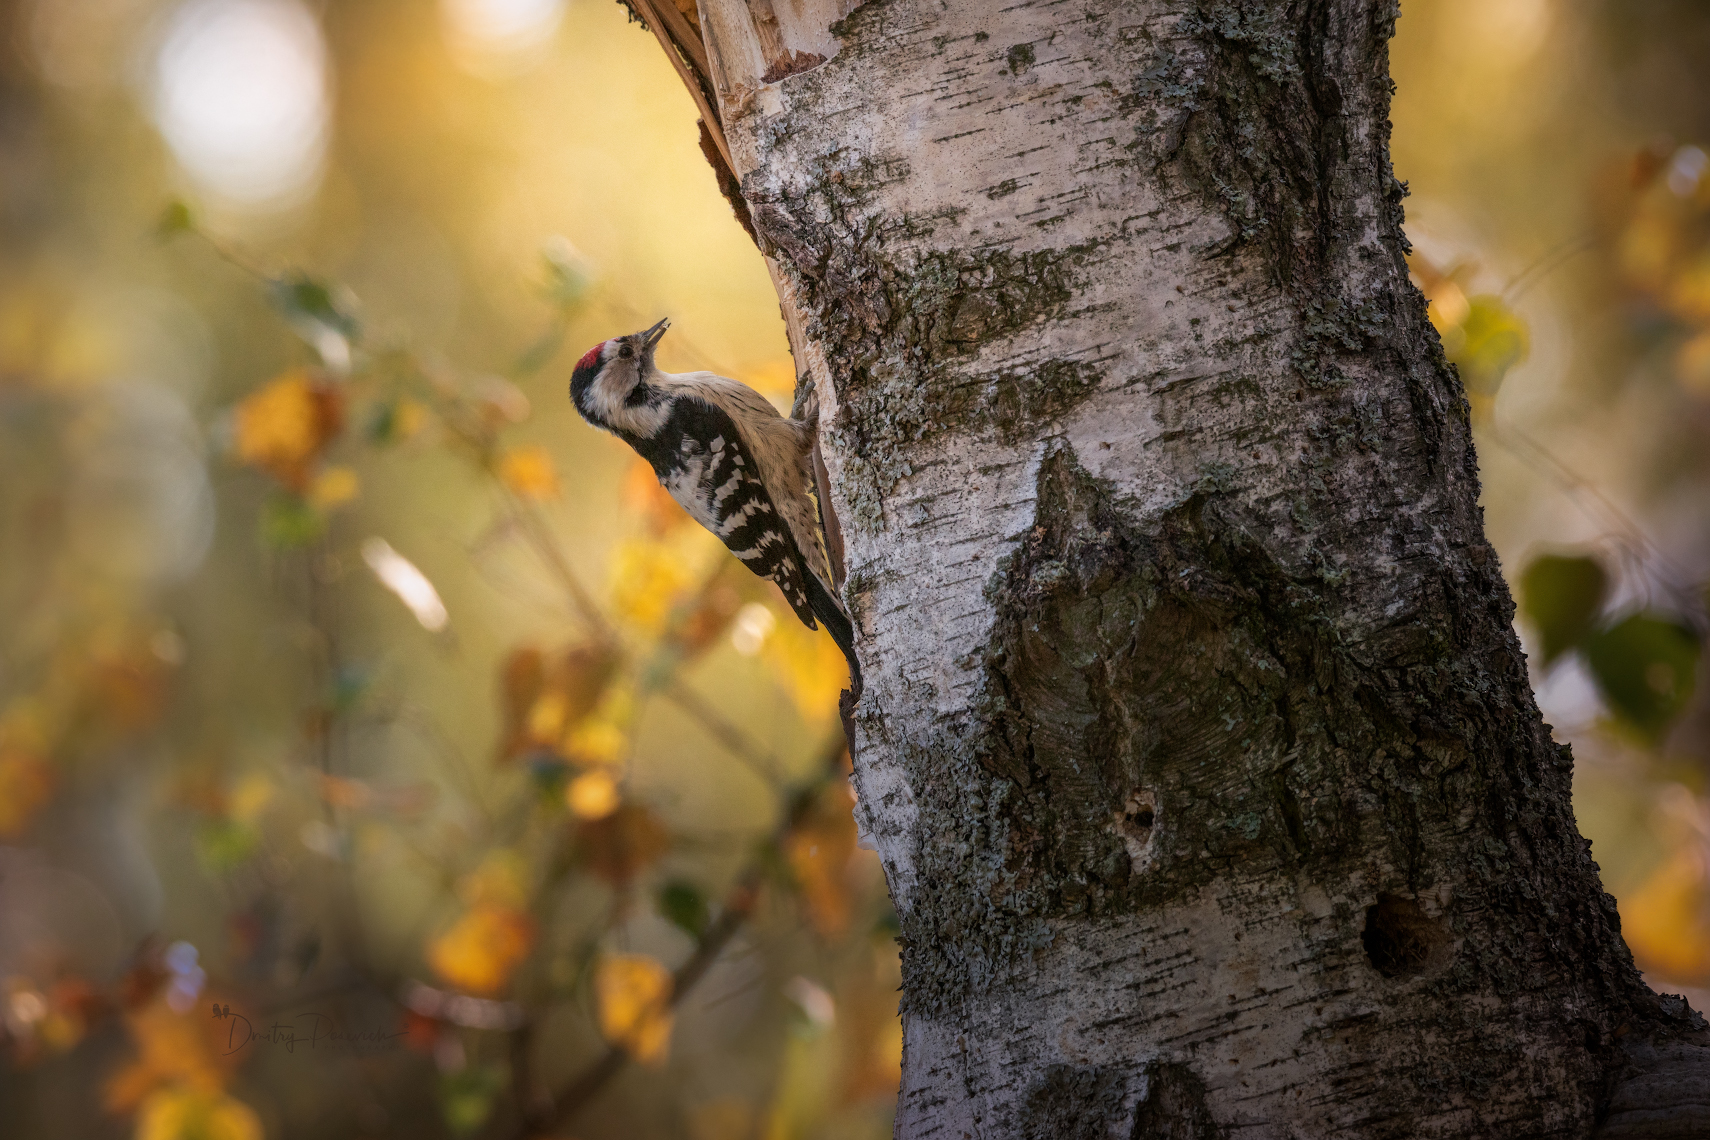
(377, 742)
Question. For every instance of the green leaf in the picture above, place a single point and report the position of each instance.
(1491, 340)
(287, 522)
(175, 219)
(550, 774)
(684, 906)
(383, 422)
(223, 845)
(466, 1098)
(1646, 666)
(323, 315)
(1560, 597)
(348, 687)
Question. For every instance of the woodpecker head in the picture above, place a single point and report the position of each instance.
(612, 375)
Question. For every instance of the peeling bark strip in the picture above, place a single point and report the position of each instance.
(1197, 742)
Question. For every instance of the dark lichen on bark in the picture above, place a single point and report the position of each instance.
(1078, 1102)
(902, 330)
(1185, 661)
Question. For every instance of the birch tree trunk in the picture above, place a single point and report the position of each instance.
(1196, 741)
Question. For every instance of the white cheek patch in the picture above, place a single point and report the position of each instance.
(608, 401)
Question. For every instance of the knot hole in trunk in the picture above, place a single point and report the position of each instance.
(1403, 941)
(1137, 824)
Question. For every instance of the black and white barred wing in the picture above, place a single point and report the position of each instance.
(715, 478)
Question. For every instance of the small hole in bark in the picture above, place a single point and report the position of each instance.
(1401, 940)
(1136, 823)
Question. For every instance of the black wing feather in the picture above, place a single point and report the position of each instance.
(728, 498)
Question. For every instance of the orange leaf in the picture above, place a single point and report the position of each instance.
(642, 496)
(634, 996)
(520, 681)
(1667, 920)
(541, 699)
(26, 785)
(620, 846)
(282, 426)
(648, 581)
(819, 851)
(529, 472)
(190, 1051)
(334, 487)
(181, 1113)
(128, 690)
(807, 663)
(482, 949)
(592, 795)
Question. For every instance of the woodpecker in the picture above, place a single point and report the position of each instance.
(724, 453)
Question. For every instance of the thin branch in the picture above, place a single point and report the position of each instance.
(1595, 504)
(1551, 260)
(736, 742)
(543, 544)
(739, 906)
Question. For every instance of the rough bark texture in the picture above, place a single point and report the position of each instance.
(1196, 741)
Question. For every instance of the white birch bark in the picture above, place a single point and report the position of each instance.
(1196, 742)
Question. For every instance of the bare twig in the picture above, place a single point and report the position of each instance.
(739, 905)
(543, 544)
(735, 741)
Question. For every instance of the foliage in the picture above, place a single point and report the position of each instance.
(539, 896)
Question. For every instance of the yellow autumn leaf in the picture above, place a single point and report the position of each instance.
(283, 425)
(1692, 365)
(1646, 250)
(1666, 922)
(174, 1050)
(482, 949)
(592, 795)
(408, 418)
(546, 716)
(502, 880)
(1688, 293)
(529, 472)
(808, 664)
(250, 797)
(191, 1114)
(649, 580)
(334, 487)
(642, 496)
(633, 992)
(597, 741)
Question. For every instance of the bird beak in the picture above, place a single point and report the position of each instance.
(652, 335)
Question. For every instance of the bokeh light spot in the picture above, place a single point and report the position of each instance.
(495, 36)
(240, 95)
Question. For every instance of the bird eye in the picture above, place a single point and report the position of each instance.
(626, 351)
